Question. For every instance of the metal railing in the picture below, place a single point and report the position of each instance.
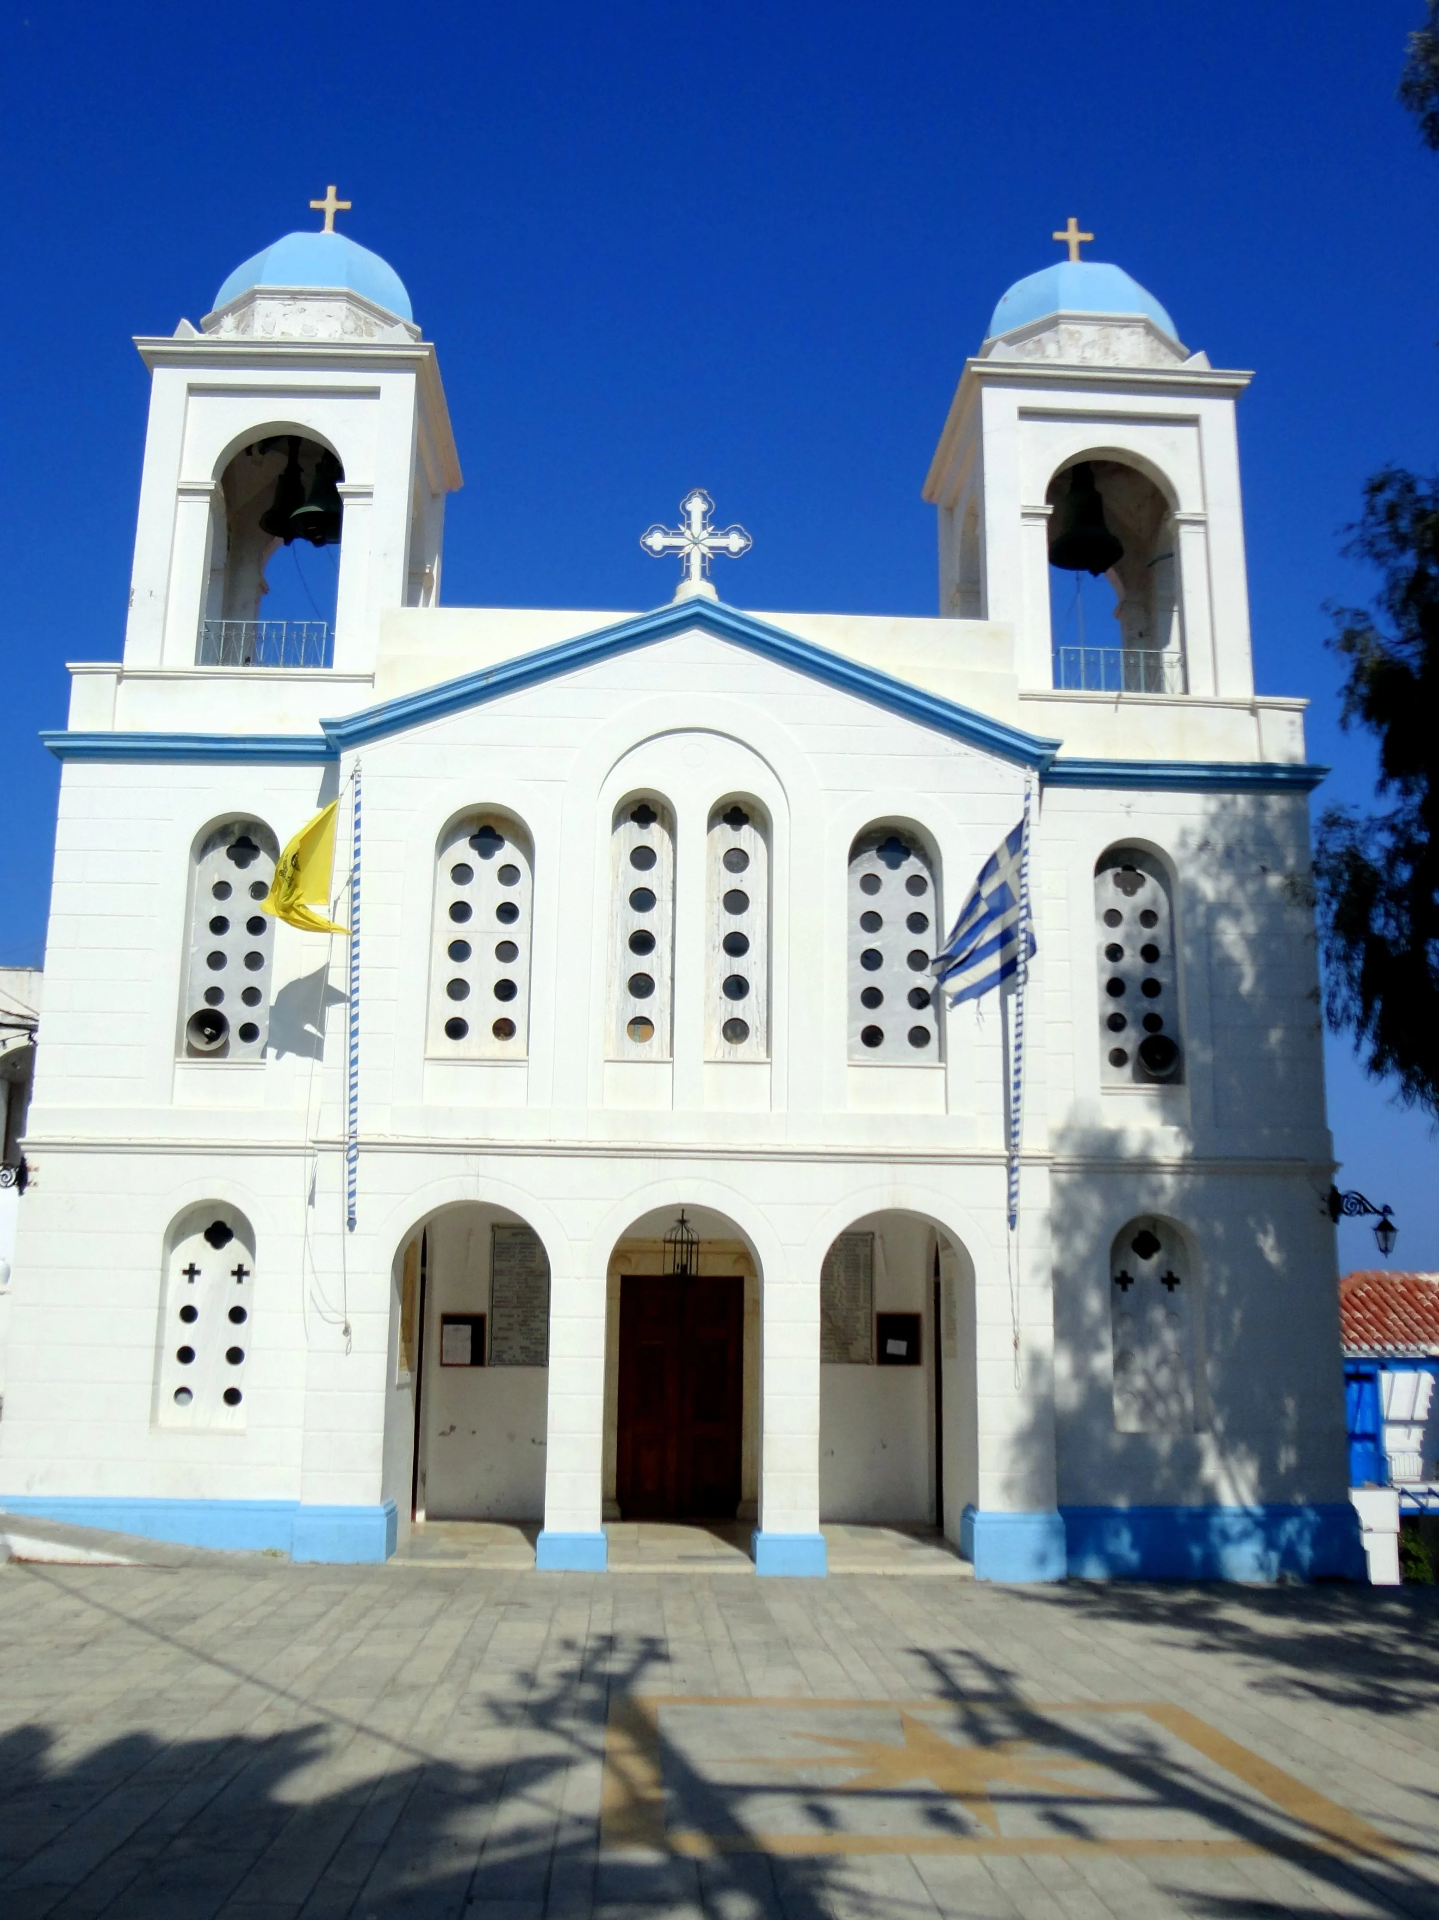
(265, 643)
(1118, 670)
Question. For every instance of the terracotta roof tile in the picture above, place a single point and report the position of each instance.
(1390, 1312)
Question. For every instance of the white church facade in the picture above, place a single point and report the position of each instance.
(623, 1160)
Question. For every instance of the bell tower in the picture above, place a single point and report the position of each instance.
(1084, 441)
(306, 410)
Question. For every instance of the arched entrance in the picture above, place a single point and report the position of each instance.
(682, 1371)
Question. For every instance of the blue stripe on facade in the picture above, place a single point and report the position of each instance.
(344, 1535)
(270, 747)
(1186, 776)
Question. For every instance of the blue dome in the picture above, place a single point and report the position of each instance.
(1076, 286)
(320, 260)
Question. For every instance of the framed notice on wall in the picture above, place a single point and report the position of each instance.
(462, 1339)
(846, 1302)
(519, 1299)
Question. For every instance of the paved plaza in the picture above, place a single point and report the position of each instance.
(191, 1735)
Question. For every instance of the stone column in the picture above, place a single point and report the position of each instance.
(573, 1539)
(788, 1539)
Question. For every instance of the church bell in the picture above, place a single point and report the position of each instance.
(318, 520)
(1079, 538)
(289, 495)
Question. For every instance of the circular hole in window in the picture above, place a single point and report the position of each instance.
(503, 1028)
(258, 889)
(460, 911)
(252, 996)
(459, 950)
(736, 1032)
(1149, 918)
(1153, 1023)
(871, 921)
(487, 842)
(249, 1033)
(916, 884)
(507, 913)
(189, 1314)
(221, 890)
(234, 1355)
(641, 1030)
(918, 959)
(736, 901)
(185, 1355)
(642, 900)
(735, 818)
(1151, 988)
(735, 860)
(1118, 1057)
(918, 922)
(644, 815)
(871, 959)
(642, 941)
(505, 989)
(1113, 916)
(233, 1396)
(508, 876)
(1114, 953)
(735, 944)
(1116, 1023)
(183, 1396)
(736, 987)
(919, 1036)
(1115, 988)
(219, 924)
(215, 961)
(1149, 953)
(641, 985)
(643, 858)
(506, 951)
(462, 873)
(213, 996)
(872, 1036)
(254, 961)
(458, 989)
(238, 1316)
(870, 883)
(255, 925)
(872, 997)
(456, 1029)
(918, 997)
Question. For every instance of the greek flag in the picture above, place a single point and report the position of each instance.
(984, 944)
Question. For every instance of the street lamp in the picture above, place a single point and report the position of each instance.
(1350, 1206)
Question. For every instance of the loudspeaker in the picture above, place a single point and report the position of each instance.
(207, 1030)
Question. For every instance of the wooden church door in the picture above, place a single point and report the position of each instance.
(680, 1397)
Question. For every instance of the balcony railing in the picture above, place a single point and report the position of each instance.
(265, 643)
(1118, 670)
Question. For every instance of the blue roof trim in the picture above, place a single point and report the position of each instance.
(1187, 776)
(271, 747)
(725, 623)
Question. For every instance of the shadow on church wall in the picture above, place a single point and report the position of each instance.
(297, 1015)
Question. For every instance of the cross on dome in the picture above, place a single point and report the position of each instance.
(330, 206)
(696, 542)
(1070, 235)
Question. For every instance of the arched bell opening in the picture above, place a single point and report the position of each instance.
(898, 1433)
(682, 1371)
(276, 524)
(1115, 617)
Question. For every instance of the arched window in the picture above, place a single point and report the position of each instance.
(226, 1013)
(1152, 1328)
(206, 1319)
(642, 872)
(1140, 1040)
(275, 526)
(1113, 582)
(893, 918)
(480, 965)
(737, 968)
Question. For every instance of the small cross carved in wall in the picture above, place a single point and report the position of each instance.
(1123, 1280)
(1169, 1281)
(191, 1273)
(241, 1274)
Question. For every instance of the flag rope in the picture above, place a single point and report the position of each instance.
(1016, 1065)
(352, 1117)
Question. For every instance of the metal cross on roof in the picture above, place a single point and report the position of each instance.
(696, 542)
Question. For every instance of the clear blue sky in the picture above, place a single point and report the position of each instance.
(747, 246)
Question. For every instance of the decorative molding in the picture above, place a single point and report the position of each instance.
(1186, 776)
(271, 747)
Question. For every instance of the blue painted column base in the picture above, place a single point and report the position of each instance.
(797, 1555)
(571, 1552)
(340, 1535)
(1013, 1546)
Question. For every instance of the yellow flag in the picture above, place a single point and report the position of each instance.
(303, 875)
